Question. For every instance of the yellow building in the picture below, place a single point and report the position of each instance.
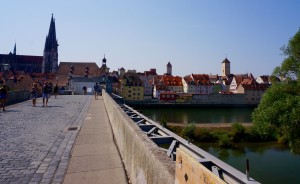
(132, 87)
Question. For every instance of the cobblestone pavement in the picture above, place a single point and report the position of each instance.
(35, 142)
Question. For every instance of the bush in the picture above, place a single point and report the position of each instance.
(295, 146)
(204, 135)
(224, 141)
(164, 123)
(189, 131)
(237, 132)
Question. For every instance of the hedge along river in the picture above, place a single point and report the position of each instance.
(269, 162)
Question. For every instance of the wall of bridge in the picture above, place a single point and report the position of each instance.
(144, 161)
(14, 97)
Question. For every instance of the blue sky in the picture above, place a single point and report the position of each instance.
(194, 35)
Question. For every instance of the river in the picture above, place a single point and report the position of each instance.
(200, 114)
(269, 162)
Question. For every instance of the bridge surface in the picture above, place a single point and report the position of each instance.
(70, 141)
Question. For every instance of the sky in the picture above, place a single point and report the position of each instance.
(195, 36)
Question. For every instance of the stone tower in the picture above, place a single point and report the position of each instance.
(169, 68)
(225, 67)
(50, 57)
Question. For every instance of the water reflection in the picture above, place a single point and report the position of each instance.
(269, 162)
(200, 114)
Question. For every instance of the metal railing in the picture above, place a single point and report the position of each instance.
(169, 141)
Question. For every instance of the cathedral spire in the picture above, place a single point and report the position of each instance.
(51, 42)
(50, 58)
(15, 49)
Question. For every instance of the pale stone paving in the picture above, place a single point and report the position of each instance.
(35, 144)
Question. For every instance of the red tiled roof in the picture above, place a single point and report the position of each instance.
(251, 84)
(201, 79)
(240, 77)
(169, 80)
(79, 68)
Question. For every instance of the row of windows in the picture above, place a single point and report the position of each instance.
(168, 96)
(134, 98)
(134, 89)
(138, 94)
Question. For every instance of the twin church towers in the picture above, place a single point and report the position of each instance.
(50, 57)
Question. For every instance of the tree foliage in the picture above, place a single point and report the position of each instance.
(278, 114)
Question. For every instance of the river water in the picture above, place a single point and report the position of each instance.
(200, 114)
(269, 162)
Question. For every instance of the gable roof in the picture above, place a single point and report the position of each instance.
(169, 80)
(240, 77)
(131, 79)
(251, 84)
(226, 60)
(79, 68)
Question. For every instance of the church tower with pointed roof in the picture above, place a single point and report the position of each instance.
(225, 67)
(50, 57)
(169, 68)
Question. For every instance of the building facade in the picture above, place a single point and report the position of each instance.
(132, 87)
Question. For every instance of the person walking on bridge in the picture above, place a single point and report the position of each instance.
(96, 90)
(3, 96)
(46, 93)
(84, 90)
(55, 90)
(34, 91)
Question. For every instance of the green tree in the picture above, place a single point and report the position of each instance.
(278, 114)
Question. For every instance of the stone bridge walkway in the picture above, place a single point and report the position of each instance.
(35, 143)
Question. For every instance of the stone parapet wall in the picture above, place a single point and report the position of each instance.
(144, 161)
(17, 96)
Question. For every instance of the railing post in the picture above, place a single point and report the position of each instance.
(247, 169)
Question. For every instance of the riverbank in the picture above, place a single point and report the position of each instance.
(223, 134)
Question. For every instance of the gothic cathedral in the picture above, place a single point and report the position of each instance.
(50, 57)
